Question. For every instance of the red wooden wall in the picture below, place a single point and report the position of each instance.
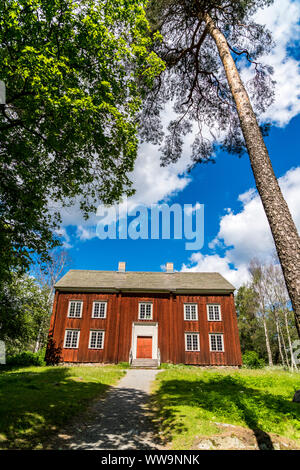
(122, 311)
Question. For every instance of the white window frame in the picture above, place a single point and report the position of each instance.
(191, 333)
(219, 309)
(185, 313)
(69, 308)
(105, 308)
(145, 303)
(90, 338)
(73, 330)
(222, 339)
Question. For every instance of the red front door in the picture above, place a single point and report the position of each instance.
(144, 347)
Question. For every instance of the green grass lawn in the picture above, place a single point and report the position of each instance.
(36, 401)
(189, 401)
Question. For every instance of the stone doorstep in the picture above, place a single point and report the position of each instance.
(144, 364)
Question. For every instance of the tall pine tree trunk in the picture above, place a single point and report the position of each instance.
(282, 226)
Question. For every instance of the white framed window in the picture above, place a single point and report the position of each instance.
(145, 311)
(192, 342)
(75, 308)
(214, 312)
(216, 342)
(190, 311)
(99, 309)
(71, 339)
(96, 339)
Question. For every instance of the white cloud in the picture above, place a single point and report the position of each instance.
(246, 234)
(219, 264)
(62, 233)
(282, 19)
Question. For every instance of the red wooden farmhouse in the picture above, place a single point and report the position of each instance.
(146, 318)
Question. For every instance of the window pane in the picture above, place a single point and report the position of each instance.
(68, 339)
(71, 339)
(217, 313)
(100, 339)
(78, 309)
(213, 343)
(216, 342)
(93, 339)
(72, 309)
(195, 342)
(96, 339)
(193, 312)
(145, 311)
(99, 309)
(219, 343)
(192, 342)
(187, 312)
(75, 309)
(214, 313)
(74, 339)
(189, 342)
(190, 312)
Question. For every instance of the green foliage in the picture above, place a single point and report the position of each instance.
(191, 402)
(35, 402)
(74, 79)
(24, 314)
(26, 358)
(251, 360)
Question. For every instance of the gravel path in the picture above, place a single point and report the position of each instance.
(120, 421)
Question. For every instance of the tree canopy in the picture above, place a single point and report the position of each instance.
(194, 79)
(74, 74)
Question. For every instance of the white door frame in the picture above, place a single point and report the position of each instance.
(145, 329)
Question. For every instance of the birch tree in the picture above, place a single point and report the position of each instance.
(205, 43)
(258, 284)
(46, 275)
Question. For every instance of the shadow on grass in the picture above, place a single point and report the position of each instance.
(226, 397)
(33, 405)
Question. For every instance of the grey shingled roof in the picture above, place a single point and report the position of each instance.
(86, 280)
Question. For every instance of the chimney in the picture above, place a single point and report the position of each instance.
(122, 267)
(169, 267)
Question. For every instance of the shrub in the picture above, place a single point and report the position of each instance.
(53, 352)
(26, 358)
(251, 360)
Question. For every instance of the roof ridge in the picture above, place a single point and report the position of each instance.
(143, 272)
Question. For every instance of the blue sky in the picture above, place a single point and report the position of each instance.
(235, 228)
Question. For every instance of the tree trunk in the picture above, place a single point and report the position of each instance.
(284, 348)
(282, 226)
(267, 341)
(293, 363)
(278, 337)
